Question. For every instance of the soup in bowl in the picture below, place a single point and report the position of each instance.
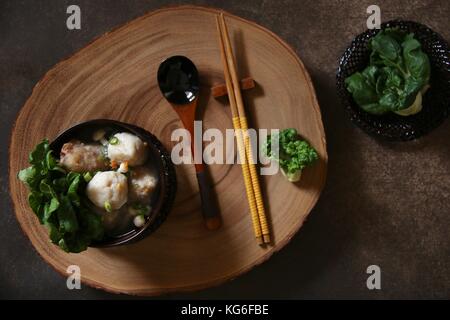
(100, 183)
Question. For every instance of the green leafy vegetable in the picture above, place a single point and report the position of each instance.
(396, 78)
(292, 153)
(57, 198)
(51, 207)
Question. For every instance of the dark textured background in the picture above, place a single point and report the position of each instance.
(384, 203)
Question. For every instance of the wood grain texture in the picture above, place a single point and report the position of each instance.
(115, 77)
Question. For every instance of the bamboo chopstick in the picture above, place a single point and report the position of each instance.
(243, 140)
(240, 143)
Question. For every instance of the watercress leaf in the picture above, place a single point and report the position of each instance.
(35, 200)
(75, 198)
(54, 235)
(73, 189)
(60, 185)
(59, 169)
(30, 176)
(79, 246)
(57, 199)
(50, 161)
(46, 189)
(37, 156)
(67, 217)
(50, 207)
(74, 183)
(71, 176)
(75, 243)
(62, 244)
(46, 214)
(92, 225)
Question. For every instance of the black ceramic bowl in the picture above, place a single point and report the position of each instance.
(162, 201)
(436, 101)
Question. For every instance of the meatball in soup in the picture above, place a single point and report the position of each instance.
(83, 157)
(126, 147)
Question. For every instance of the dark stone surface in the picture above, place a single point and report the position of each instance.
(384, 203)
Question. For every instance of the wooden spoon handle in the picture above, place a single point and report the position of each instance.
(210, 209)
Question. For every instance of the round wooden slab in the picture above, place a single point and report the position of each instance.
(115, 77)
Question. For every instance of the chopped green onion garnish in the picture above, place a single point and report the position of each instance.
(108, 207)
(114, 140)
(87, 176)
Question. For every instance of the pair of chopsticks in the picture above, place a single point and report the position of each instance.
(252, 187)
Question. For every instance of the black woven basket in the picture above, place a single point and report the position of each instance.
(436, 101)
